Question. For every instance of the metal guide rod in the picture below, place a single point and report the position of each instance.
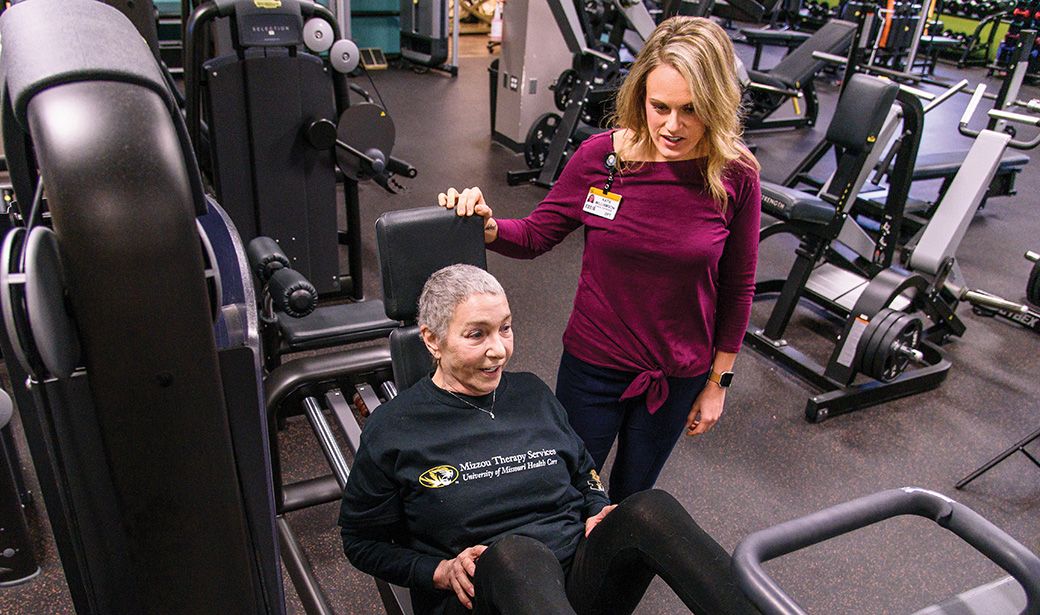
(327, 440)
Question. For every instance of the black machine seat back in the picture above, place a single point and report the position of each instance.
(414, 243)
(798, 67)
(854, 129)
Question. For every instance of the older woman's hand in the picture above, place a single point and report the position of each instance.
(456, 574)
(594, 520)
(467, 203)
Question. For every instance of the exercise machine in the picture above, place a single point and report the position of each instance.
(412, 244)
(284, 135)
(792, 80)
(881, 335)
(17, 560)
(136, 355)
(424, 34)
(113, 391)
(944, 166)
(583, 93)
(533, 55)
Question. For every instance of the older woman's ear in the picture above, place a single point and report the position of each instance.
(430, 339)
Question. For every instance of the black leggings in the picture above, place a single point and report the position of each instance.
(648, 534)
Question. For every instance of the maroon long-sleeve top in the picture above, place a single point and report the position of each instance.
(664, 284)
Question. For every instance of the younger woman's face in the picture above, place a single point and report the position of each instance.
(674, 126)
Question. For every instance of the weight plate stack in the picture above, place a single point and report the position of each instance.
(881, 351)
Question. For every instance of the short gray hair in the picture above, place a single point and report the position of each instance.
(449, 287)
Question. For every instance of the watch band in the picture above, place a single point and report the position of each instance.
(723, 379)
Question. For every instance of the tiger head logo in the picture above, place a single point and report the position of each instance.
(440, 476)
(594, 483)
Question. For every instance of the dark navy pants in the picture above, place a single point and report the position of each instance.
(592, 397)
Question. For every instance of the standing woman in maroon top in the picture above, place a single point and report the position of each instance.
(669, 201)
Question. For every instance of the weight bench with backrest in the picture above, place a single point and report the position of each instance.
(820, 219)
(792, 78)
(877, 307)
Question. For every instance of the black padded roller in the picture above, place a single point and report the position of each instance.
(292, 293)
(266, 257)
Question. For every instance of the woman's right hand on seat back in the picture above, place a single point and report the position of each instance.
(467, 203)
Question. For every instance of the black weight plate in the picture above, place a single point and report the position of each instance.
(12, 294)
(1033, 288)
(365, 127)
(889, 362)
(909, 336)
(866, 347)
(880, 346)
(564, 87)
(536, 146)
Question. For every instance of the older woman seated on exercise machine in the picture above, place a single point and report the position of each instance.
(471, 489)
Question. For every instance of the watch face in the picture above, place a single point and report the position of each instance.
(725, 379)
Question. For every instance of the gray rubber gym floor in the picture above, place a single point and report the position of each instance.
(763, 463)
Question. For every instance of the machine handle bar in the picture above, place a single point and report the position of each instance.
(797, 534)
(969, 111)
(946, 95)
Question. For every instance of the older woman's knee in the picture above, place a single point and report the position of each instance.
(652, 502)
(516, 554)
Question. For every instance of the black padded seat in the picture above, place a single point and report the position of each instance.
(789, 38)
(766, 78)
(335, 325)
(942, 42)
(793, 205)
(941, 165)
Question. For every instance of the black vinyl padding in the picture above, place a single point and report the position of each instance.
(98, 43)
(334, 325)
(409, 357)
(800, 66)
(861, 112)
(764, 78)
(775, 37)
(414, 243)
(793, 205)
(940, 165)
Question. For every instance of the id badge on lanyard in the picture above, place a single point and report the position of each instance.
(603, 202)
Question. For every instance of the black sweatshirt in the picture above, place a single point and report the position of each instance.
(434, 475)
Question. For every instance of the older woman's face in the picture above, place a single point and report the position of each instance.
(477, 346)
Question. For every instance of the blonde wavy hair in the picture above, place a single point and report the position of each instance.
(702, 53)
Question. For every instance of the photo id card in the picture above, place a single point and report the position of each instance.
(602, 204)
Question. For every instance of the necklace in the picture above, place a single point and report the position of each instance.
(488, 411)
